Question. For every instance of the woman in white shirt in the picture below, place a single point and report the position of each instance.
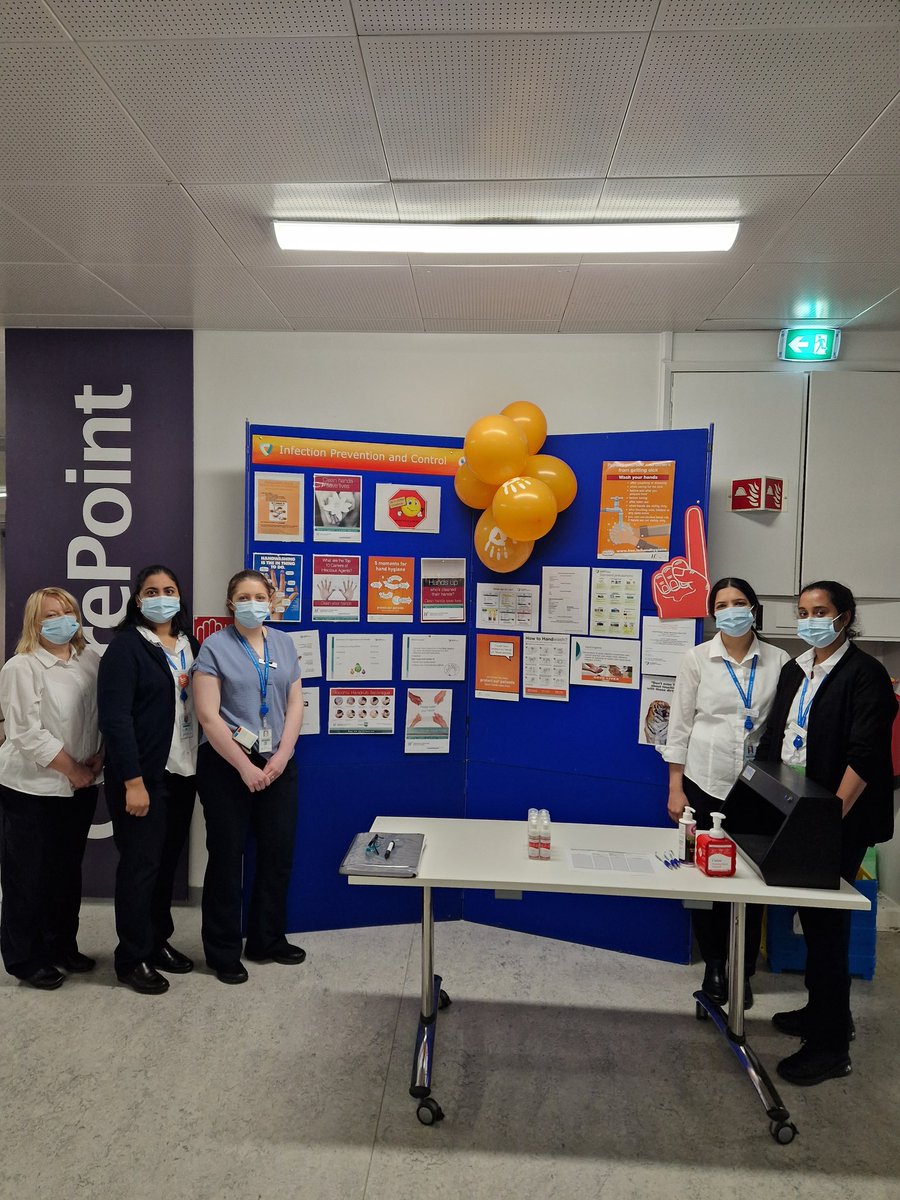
(49, 765)
(723, 695)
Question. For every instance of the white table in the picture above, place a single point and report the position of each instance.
(493, 855)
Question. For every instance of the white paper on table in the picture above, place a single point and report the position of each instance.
(508, 606)
(605, 662)
(564, 599)
(359, 657)
(664, 644)
(309, 652)
(311, 719)
(407, 508)
(656, 703)
(427, 728)
(615, 602)
(434, 656)
(545, 666)
(613, 860)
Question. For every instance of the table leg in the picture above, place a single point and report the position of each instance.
(423, 1057)
(732, 1027)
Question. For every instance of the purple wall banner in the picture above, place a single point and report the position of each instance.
(100, 470)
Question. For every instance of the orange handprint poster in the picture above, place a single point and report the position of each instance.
(636, 510)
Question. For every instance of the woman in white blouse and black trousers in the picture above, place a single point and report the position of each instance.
(723, 694)
(49, 765)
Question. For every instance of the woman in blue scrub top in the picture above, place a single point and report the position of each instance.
(250, 704)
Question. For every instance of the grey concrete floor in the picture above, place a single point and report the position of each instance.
(563, 1071)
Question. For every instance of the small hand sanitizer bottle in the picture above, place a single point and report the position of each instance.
(534, 834)
(687, 834)
(544, 823)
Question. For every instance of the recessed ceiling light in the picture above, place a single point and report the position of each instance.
(670, 237)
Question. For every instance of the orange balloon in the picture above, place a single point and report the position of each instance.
(524, 508)
(470, 488)
(558, 476)
(497, 551)
(530, 420)
(495, 448)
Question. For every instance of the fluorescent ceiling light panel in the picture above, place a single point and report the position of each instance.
(675, 237)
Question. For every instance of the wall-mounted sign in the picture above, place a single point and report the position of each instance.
(757, 493)
(809, 345)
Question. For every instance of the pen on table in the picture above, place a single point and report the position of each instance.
(387, 853)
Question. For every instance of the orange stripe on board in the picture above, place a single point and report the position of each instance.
(277, 451)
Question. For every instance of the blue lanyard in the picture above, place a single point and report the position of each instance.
(747, 696)
(174, 665)
(803, 714)
(263, 674)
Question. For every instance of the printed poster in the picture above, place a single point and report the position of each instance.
(443, 589)
(564, 599)
(427, 729)
(285, 573)
(497, 659)
(278, 508)
(309, 651)
(335, 587)
(665, 644)
(605, 662)
(636, 510)
(545, 666)
(615, 602)
(361, 710)
(407, 508)
(390, 591)
(359, 656)
(338, 508)
(311, 719)
(507, 606)
(434, 656)
(656, 703)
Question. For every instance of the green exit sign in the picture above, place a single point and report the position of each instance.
(809, 344)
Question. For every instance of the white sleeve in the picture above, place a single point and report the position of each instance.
(681, 713)
(21, 704)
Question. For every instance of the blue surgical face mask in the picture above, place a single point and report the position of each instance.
(59, 630)
(735, 621)
(818, 631)
(251, 613)
(160, 608)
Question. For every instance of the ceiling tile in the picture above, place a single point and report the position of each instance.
(878, 150)
(781, 102)
(361, 297)
(59, 124)
(823, 291)
(767, 14)
(499, 200)
(254, 111)
(741, 324)
(635, 298)
(243, 214)
(510, 293)
(77, 321)
(494, 325)
(20, 244)
(884, 315)
(218, 296)
(28, 21)
(501, 107)
(502, 16)
(172, 19)
(54, 288)
(118, 222)
(851, 218)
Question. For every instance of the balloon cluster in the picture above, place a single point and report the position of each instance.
(520, 490)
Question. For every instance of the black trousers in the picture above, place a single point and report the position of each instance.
(42, 840)
(712, 927)
(149, 849)
(827, 935)
(231, 812)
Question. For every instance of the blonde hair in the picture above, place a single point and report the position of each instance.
(31, 621)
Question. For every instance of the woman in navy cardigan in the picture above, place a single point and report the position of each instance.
(831, 718)
(150, 728)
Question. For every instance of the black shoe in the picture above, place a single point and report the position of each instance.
(814, 1064)
(748, 995)
(76, 963)
(171, 960)
(793, 1023)
(235, 973)
(45, 978)
(714, 982)
(286, 954)
(144, 979)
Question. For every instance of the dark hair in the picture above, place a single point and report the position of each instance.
(841, 597)
(181, 622)
(733, 581)
(248, 574)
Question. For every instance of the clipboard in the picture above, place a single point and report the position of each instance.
(366, 855)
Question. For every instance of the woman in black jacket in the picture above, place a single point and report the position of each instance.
(831, 718)
(150, 728)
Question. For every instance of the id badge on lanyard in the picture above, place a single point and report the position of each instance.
(264, 741)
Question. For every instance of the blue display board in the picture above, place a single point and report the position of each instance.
(580, 759)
